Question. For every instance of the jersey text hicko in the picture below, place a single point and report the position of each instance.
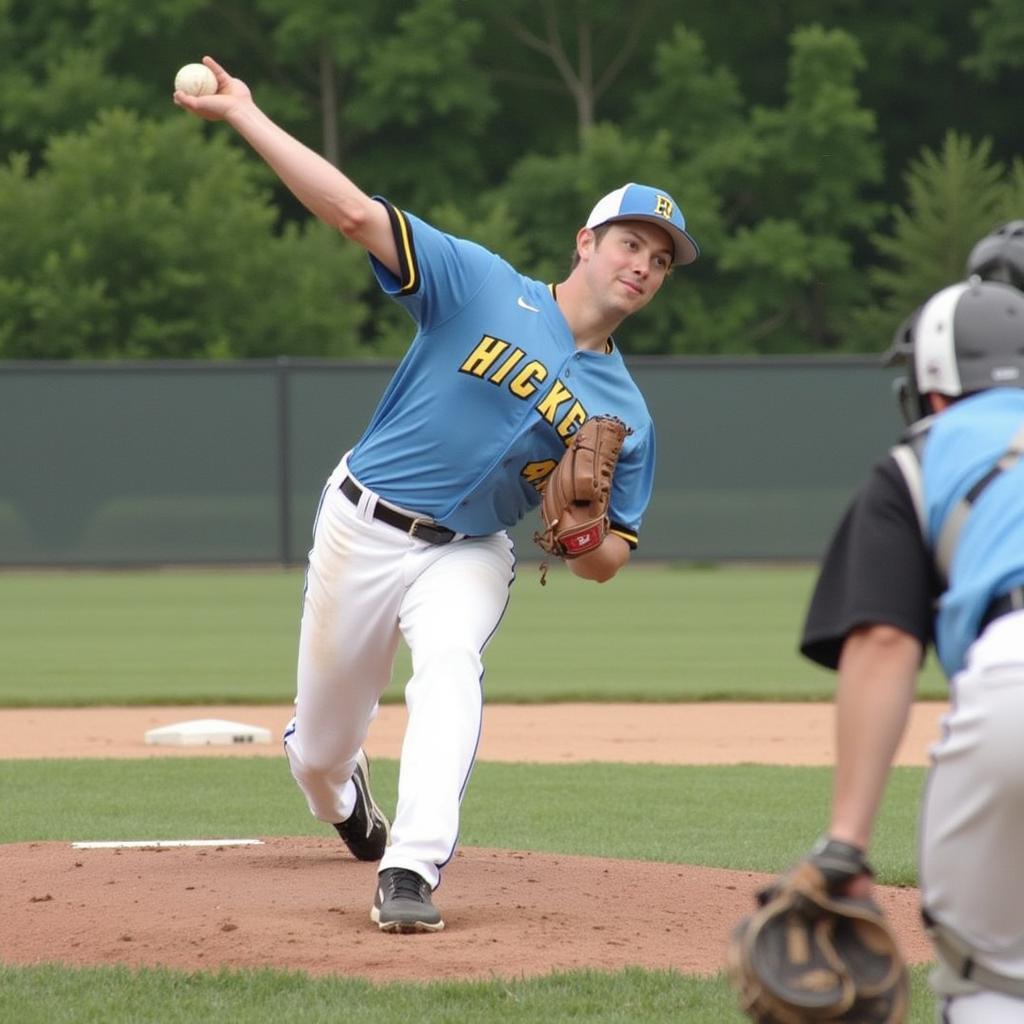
(524, 384)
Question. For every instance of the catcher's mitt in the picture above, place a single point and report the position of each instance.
(574, 509)
(808, 954)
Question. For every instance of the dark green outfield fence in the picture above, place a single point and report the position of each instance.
(193, 462)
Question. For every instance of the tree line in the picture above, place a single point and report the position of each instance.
(835, 159)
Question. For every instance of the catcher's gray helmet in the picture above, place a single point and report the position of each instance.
(999, 256)
(967, 337)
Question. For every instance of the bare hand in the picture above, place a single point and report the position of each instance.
(231, 93)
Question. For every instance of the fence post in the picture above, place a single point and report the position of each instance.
(284, 466)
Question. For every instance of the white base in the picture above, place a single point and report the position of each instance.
(205, 731)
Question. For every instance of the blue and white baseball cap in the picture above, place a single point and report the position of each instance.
(641, 202)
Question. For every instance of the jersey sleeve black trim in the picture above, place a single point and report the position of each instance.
(409, 271)
(876, 570)
(629, 536)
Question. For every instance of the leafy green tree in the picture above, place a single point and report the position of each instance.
(917, 87)
(813, 161)
(502, 122)
(422, 104)
(51, 79)
(389, 91)
(780, 196)
(584, 48)
(775, 275)
(708, 151)
(400, 63)
(145, 239)
(404, 106)
(306, 64)
(954, 196)
(1013, 198)
(1000, 28)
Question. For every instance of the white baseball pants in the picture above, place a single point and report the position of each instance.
(369, 584)
(982, 1008)
(972, 824)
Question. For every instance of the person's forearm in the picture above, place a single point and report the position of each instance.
(314, 181)
(877, 680)
(601, 564)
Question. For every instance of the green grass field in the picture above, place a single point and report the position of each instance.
(655, 633)
(49, 995)
(747, 817)
(665, 633)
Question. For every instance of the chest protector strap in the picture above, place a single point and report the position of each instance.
(908, 457)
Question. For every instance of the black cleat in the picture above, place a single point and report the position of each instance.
(402, 903)
(366, 830)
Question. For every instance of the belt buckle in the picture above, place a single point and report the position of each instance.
(416, 523)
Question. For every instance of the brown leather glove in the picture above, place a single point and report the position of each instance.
(809, 954)
(574, 509)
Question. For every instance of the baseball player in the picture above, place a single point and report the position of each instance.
(410, 536)
(931, 551)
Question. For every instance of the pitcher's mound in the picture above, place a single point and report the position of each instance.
(303, 904)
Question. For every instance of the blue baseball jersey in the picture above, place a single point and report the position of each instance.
(490, 392)
(963, 444)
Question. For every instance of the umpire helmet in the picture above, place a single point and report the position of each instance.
(999, 256)
(967, 337)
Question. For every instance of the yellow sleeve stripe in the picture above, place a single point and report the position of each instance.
(628, 536)
(406, 256)
(409, 278)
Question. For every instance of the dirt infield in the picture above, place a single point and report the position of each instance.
(784, 733)
(303, 904)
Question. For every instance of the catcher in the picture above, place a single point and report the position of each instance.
(929, 553)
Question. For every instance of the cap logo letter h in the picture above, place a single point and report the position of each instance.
(663, 207)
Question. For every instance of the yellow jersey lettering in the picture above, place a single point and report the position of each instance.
(548, 405)
(506, 367)
(523, 383)
(571, 422)
(483, 357)
(537, 473)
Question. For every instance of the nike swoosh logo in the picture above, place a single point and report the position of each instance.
(361, 796)
(523, 304)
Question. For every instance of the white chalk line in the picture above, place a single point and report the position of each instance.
(145, 843)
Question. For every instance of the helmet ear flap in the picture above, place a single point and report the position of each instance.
(910, 402)
(901, 352)
(901, 348)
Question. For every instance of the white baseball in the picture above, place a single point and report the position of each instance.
(195, 80)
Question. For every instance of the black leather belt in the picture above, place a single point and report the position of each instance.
(1013, 601)
(415, 526)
